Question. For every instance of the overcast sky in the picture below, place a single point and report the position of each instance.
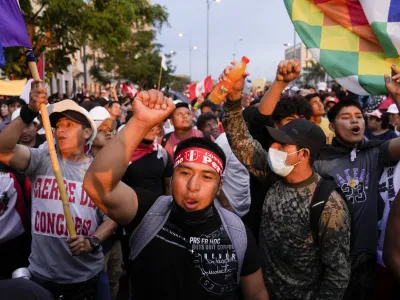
(264, 26)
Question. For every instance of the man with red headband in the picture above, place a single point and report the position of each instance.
(187, 246)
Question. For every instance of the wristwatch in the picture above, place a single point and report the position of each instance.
(94, 242)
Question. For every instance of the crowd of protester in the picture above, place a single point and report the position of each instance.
(289, 193)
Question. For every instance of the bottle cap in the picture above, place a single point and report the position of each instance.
(245, 59)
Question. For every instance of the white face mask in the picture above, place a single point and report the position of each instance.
(277, 162)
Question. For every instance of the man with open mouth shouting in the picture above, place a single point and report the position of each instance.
(356, 165)
(185, 246)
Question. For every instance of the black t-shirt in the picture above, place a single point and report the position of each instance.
(40, 139)
(388, 135)
(148, 173)
(195, 261)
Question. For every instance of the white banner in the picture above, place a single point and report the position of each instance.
(47, 209)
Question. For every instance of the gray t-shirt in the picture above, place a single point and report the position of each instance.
(359, 180)
(51, 257)
(236, 185)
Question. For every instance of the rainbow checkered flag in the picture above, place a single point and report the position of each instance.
(355, 41)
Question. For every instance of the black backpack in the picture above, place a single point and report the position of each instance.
(321, 195)
(168, 135)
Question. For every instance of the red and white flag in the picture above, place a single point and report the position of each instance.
(200, 88)
(129, 89)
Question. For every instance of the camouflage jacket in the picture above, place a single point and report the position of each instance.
(294, 266)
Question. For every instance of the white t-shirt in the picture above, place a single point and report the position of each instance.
(236, 185)
(51, 257)
(11, 223)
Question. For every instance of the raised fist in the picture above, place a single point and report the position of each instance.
(288, 70)
(152, 107)
(393, 84)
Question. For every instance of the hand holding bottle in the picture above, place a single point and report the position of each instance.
(231, 82)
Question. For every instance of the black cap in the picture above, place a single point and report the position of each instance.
(302, 133)
(70, 114)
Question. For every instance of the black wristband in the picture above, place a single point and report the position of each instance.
(28, 115)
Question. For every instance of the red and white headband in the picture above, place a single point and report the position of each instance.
(201, 156)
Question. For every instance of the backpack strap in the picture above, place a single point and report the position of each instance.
(165, 139)
(236, 231)
(151, 224)
(321, 195)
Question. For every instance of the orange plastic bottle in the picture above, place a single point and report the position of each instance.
(222, 89)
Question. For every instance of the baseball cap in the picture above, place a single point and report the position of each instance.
(71, 110)
(376, 113)
(302, 133)
(99, 114)
(16, 114)
(393, 109)
(322, 86)
(332, 99)
(295, 89)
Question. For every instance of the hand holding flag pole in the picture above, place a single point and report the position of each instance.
(31, 60)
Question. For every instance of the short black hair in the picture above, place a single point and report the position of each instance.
(110, 105)
(308, 86)
(89, 105)
(203, 118)
(3, 102)
(181, 104)
(292, 105)
(102, 102)
(310, 96)
(201, 143)
(334, 111)
(208, 103)
(15, 100)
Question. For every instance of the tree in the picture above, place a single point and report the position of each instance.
(314, 72)
(61, 27)
(179, 83)
(137, 60)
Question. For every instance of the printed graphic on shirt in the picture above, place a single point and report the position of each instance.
(47, 210)
(212, 255)
(388, 189)
(4, 202)
(354, 184)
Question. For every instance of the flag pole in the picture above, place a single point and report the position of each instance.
(50, 143)
(159, 78)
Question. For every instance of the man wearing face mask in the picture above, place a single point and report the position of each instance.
(297, 262)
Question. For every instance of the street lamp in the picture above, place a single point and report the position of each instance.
(190, 51)
(172, 52)
(208, 29)
(234, 47)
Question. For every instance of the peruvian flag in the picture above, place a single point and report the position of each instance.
(129, 89)
(200, 88)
